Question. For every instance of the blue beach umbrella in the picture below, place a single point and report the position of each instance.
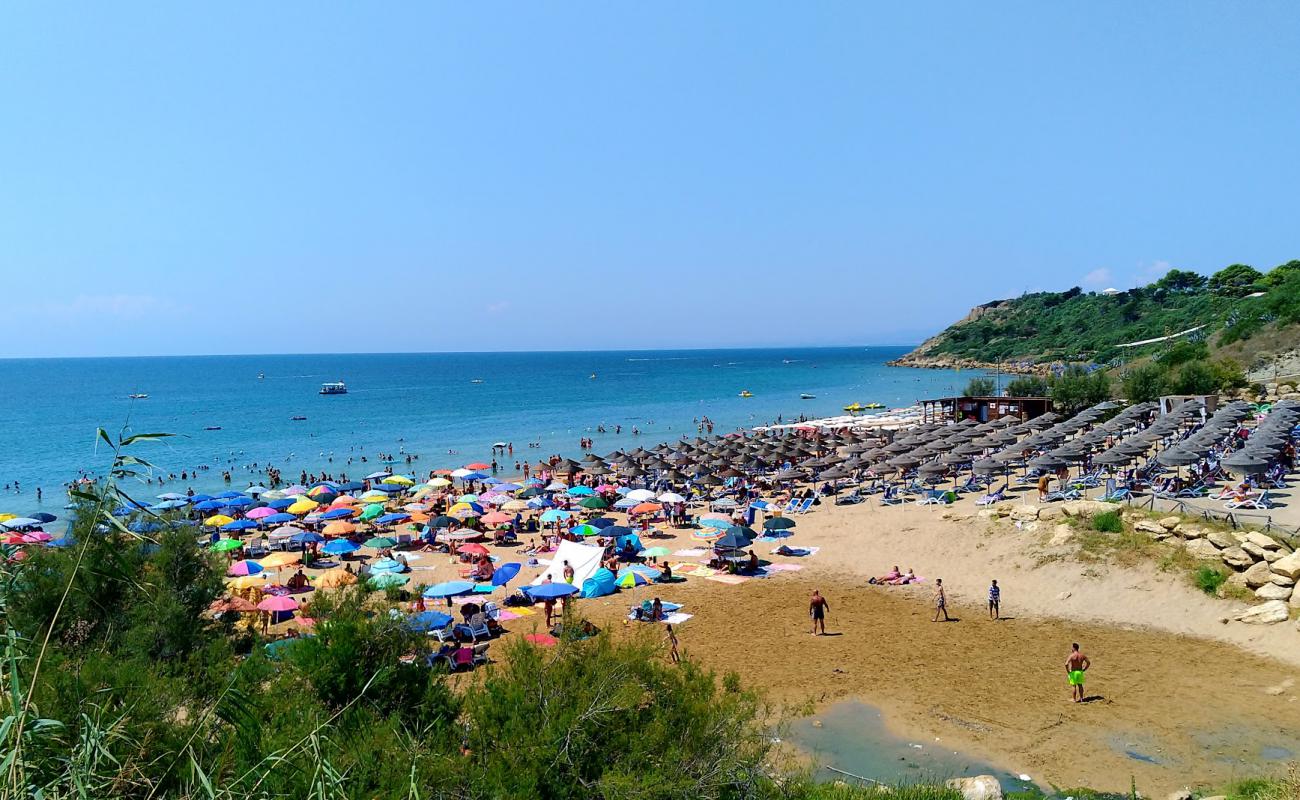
(240, 502)
(390, 519)
(581, 491)
(208, 505)
(508, 487)
(551, 590)
(43, 516)
(340, 547)
(228, 494)
(602, 522)
(426, 621)
(199, 498)
(239, 525)
(282, 503)
(168, 504)
(387, 565)
(505, 573)
(617, 531)
(337, 513)
(306, 537)
(555, 515)
(451, 589)
(278, 519)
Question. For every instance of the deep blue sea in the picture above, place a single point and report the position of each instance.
(425, 404)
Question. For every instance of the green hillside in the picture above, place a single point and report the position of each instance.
(1076, 326)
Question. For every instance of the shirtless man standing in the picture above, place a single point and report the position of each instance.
(940, 602)
(1075, 666)
(817, 608)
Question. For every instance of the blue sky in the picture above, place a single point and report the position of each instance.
(305, 177)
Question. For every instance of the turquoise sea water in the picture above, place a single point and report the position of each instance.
(425, 404)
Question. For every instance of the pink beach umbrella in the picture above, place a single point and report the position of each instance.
(278, 603)
(260, 512)
(36, 536)
(244, 567)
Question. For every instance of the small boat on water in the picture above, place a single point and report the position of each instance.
(854, 408)
(806, 396)
(261, 376)
(338, 387)
(476, 380)
(874, 405)
(746, 393)
(213, 428)
(138, 396)
(297, 419)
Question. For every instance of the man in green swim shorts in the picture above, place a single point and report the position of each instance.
(1075, 666)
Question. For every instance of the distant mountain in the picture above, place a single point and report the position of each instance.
(1234, 304)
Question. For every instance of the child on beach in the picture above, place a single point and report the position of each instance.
(995, 600)
(940, 602)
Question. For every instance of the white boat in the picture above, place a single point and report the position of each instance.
(138, 396)
(338, 387)
(806, 396)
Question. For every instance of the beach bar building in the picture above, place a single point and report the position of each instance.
(983, 409)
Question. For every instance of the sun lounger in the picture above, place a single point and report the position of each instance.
(891, 496)
(1065, 494)
(990, 499)
(932, 497)
(1261, 503)
(479, 655)
(805, 506)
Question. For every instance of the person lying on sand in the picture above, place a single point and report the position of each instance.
(891, 576)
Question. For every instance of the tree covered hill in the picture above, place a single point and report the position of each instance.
(1077, 326)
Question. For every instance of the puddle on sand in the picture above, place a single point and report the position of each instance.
(852, 737)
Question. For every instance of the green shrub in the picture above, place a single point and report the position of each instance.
(1208, 579)
(1108, 522)
(980, 387)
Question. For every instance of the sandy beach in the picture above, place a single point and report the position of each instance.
(1171, 681)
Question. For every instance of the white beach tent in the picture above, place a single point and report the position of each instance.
(584, 558)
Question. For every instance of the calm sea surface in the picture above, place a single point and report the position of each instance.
(426, 404)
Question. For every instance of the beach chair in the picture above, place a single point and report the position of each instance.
(993, 497)
(790, 507)
(805, 506)
(479, 655)
(1062, 495)
(1261, 503)
(891, 497)
(932, 497)
(446, 634)
(1117, 495)
(850, 498)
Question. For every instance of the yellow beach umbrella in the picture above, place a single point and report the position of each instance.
(439, 482)
(7, 517)
(302, 506)
(335, 578)
(514, 505)
(247, 582)
(217, 520)
(277, 560)
(374, 495)
(400, 480)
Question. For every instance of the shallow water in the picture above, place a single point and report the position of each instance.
(851, 736)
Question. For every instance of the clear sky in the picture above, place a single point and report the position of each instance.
(305, 177)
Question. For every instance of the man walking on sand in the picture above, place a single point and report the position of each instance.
(817, 608)
(1075, 667)
(940, 602)
(995, 601)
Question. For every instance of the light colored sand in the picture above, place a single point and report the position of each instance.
(1176, 683)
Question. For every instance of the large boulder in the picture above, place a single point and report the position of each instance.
(1049, 512)
(980, 787)
(1282, 580)
(1189, 531)
(1237, 558)
(1061, 535)
(1256, 552)
(1200, 548)
(1024, 513)
(1271, 591)
(1169, 523)
(1270, 613)
(1263, 540)
(1288, 566)
(1256, 575)
(1152, 527)
(1086, 508)
(1221, 539)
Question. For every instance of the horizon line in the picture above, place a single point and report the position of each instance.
(458, 352)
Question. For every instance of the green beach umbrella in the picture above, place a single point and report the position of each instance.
(388, 579)
(594, 503)
(371, 511)
(587, 530)
(227, 544)
(654, 552)
(379, 542)
(779, 524)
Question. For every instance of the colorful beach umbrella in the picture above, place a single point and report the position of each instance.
(278, 603)
(654, 552)
(399, 480)
(340, 547)
(547, 591)
(372, 511)
(472, 548)
(224, 545)
(244, 567)
(217, 520)
(594, 503)
(379, 542)
(505, 573)
(449, 589)
(645, 508)
(339, 529)
(259, 512)
(385, 580)
(281, 559)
